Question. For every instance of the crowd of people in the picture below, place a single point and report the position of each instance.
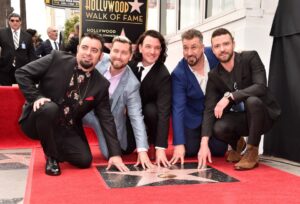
(215, 96)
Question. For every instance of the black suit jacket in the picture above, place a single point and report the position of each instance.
(250, 78)
(22, 55)
(44, 48)
(54, 72)
(156, 89)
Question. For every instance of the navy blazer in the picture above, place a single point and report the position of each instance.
(187, 98)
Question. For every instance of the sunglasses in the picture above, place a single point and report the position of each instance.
(12, 20)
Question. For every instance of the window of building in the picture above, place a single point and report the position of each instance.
(153, 15)
(189, 13)
(215, 7)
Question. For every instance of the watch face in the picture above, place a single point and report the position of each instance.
(227, 94)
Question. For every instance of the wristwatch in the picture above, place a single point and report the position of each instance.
(228, 96)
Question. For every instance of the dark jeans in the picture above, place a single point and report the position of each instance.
(254, 122)
(192, 143)
(59, 142)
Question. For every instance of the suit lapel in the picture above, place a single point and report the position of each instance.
(237, 71)
(10, 38)
(120, 88)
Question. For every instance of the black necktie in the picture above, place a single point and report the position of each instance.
(55, 44)
(139, 73)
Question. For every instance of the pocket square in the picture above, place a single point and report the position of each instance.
(90, 98)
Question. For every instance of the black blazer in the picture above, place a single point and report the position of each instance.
(44, 48)
(156, 89)
(250, 78)
(54, 72)
(22, 55)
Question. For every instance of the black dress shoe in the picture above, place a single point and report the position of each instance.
(52, 167)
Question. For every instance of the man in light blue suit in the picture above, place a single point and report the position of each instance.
(189, 80)
(125, 103)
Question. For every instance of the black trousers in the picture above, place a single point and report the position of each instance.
(217, 147)
(60, 142)
(253, 122)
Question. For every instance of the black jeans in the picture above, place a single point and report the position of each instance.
(60, 142)
(254, 122)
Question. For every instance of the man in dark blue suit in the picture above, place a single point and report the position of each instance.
(189, 80)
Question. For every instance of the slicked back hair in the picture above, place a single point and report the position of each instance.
(221, 31)
(192, 33)
(94, 36)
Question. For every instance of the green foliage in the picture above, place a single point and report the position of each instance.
(69, 26)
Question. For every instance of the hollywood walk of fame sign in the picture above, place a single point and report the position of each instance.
(110, 18)
(176, 175)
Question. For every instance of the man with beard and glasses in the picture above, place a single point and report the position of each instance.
(189, 80)
(125, 100)
(68, 88)
(237, 102)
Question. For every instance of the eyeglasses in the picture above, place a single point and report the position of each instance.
(12, 20)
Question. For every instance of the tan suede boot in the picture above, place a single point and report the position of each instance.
(249, 159)
(235, 155)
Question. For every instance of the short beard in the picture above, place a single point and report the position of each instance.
(228, 59)
(192, 62)
(86, 65)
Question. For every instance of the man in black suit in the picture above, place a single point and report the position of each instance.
(237, 102)
(50, 44)
(68, 89)
(148, 66)
(16, 49)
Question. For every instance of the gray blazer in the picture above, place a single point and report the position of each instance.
(125, 97)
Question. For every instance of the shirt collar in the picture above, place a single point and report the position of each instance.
(140, 64)
(206, 66)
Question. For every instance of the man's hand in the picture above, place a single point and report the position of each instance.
(204, 153)
(178, 154)
(162, 158)
(144, 160)
(39, 103)
(118, 163)
(221, 105)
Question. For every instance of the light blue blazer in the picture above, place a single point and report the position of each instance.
(126, 97)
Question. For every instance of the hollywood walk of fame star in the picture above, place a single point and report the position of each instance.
(150, 176)
(135, 6)
(14, 158)
(176, 175)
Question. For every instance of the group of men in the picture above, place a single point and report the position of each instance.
(130, 99)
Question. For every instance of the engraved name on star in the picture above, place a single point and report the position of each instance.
(150, 176)
(135, 6)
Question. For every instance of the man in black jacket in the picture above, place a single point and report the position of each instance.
(237, 102)
(68, 89)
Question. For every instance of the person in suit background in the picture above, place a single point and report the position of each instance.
(16, 49)
(237, 101)
(189, 80)
(148, 66)
(73, 41)
(36, 38)
(50, 44)
(125, 101)
(69, 87)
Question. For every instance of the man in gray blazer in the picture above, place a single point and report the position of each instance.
(125, 103)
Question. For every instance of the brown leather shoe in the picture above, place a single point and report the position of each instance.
(235, 155)
(249, 159)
